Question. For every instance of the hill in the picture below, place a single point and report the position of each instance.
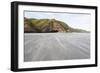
(47, 26)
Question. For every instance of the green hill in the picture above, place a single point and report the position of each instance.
(47, 26)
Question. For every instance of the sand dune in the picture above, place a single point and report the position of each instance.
(56, 46)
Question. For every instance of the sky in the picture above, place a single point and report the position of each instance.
(75, 20)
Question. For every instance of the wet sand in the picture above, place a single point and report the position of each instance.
(56, 46)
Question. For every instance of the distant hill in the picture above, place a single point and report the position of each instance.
(47, 26)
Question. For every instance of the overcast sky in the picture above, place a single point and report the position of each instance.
(75, 20)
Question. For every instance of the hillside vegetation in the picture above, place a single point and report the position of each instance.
(47, 26)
